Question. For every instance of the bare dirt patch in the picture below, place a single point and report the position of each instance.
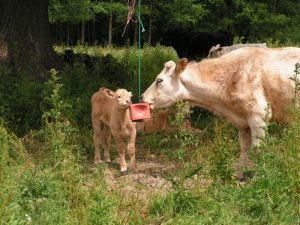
(148, 178)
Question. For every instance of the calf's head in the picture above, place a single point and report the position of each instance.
(123, 98)
(167, 87)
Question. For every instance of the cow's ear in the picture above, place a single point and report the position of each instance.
(130, 93)
(180, 66)
(218, 46)
(170, 65)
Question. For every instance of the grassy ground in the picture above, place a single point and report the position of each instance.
(47, 175)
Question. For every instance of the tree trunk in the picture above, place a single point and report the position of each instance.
(150, 25)
(25, 30)
(135, 33)
(68, 34)
(109, 41)
(274, 6)
(93, 32)
(82, 33)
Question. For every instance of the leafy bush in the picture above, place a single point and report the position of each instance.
(19, 102)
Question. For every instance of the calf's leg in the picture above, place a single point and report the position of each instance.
(121, 149)
(131, 150)
(97, 125)
(106, 137)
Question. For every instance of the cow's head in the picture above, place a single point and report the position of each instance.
(214, 51)
(123, 98)
(167, 87)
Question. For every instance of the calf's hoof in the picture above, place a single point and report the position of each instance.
(133, 167)
(98, 162)
(107, 161)
(125, 172)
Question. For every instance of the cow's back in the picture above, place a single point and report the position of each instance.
(268, 70)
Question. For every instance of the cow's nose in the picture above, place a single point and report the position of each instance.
(128, 101)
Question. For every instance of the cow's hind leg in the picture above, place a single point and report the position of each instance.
(106, 137)
(97, 127)
(245, 143)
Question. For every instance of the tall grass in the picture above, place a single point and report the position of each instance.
(54, 189)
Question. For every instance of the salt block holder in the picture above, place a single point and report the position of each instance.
(139, 111)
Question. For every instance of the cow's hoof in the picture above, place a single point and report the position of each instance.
(123, 173)
(240, 176)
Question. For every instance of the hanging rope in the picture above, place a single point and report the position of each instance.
(129, 15)
(141, 29)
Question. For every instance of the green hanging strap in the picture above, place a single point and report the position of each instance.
(141, 29)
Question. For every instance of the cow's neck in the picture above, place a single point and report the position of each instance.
(122, 114)
(205, 83)
(205, 86)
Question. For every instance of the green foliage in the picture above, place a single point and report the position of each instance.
(184, 137)
(119, 9)
(70, 11)
(257, 20)
(183, 14)
(53, 191)
(13, 161)
(270, 197)
(19, 102)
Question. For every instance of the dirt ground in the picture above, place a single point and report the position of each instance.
(148, 178)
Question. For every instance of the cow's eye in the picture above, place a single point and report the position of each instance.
(159, 81)
(119, 97)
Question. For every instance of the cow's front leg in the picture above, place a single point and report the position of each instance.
(131, 149)
(257, 126)
(121, 149)
(245, 143)
(258, 121)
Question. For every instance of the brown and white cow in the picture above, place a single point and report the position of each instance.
(218, 50)
(110, 115)
(247, 86)
(157, 122)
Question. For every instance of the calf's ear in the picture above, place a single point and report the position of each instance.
(110, 93)
(180, 66)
